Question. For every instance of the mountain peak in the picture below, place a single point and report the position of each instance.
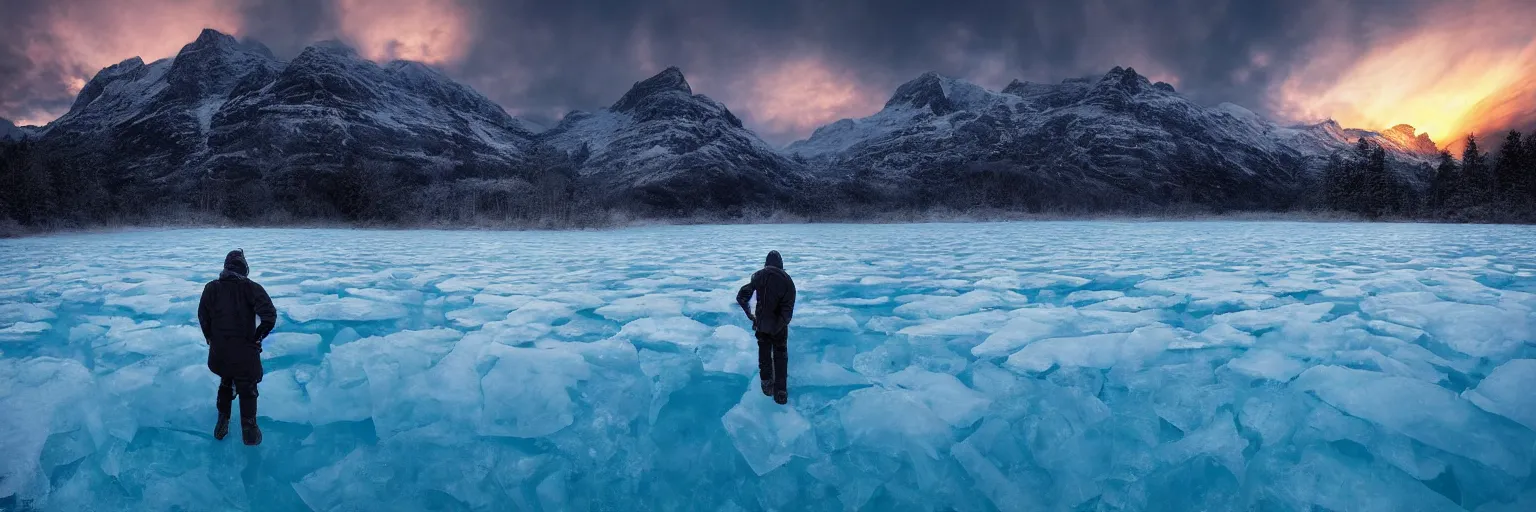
(333, 47)
(1125, 78)
(670, 79)
(210, 36)
(1408, 137)
(927, 90)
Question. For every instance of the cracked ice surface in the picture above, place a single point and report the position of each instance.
(1028, 366)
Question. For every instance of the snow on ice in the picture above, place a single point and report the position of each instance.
(1014, 366)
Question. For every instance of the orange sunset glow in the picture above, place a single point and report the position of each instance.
(1447, 79)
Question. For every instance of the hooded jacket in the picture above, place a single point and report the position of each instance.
(775, 296)
(227, 313)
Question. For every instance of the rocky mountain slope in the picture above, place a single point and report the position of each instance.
(1115, 140)
(666, 148)
(221, 104)
(229, 113)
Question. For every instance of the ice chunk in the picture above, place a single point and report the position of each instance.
(40, 397)
(460, 284)
(332, 308)
(540, 312)
(282, 399)
(1328, 481)
(945, 395)
(822, 373)
(1138, 303)
(1006, 491)
(390, 296)
(528, 391)
(1266, 364)
(937, 306)
(630, 308)
(1508, 392)
(23, 312)
(1219, 335)
(1012, 335)
(730, 349)
(1094, 351)
(1031, 324)
(1218, 439)
(1428, 413)
(1260, 319)
(282, 344)
(964, 325)
(366, 378)
(1051, 281)
(1087, 296)
(1097, 351)
(767, 434)
(21, 330)
(1273, 416)
(858, 301)
(676, 330)
(825, 317)
(892, 421)
(1477, 330)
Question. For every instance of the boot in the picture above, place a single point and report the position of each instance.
(767, 388)
(782, 397)
(249, 432)
(221, 428)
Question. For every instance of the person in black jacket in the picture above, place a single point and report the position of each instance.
(775, 305)
(227, 313)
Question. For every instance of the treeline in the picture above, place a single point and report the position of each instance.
(49, 193)
(43, 191)
(1480, 187)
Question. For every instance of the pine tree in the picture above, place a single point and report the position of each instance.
(1443, 186)
(1526, 183)
(1377, 190)
(1475, 182)
(1334, 194)
(1510, 168)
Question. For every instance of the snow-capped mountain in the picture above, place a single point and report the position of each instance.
(1117, 139)
(224, 112)
(221, 104)
(667, 148)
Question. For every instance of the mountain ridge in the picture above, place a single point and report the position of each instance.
(226, 113)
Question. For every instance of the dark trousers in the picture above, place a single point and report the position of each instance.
(228, 388)
(773, 358)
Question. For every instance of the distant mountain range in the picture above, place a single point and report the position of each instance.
(228, 111)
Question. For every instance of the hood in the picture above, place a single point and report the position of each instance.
(235, 265)
(774, 260)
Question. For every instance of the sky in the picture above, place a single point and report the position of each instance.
(788, 66)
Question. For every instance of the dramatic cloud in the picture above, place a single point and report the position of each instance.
(791, 98)
(50, 49)
(1465, 67)
(789, 66)
(430, 31)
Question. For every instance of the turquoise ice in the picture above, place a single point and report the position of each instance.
(1014, 366)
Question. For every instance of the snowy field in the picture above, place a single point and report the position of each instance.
(1024, 366)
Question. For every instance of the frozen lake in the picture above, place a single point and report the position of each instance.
(1016, 366)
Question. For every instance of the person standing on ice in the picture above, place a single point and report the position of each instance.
(228, 312)
(775, 305)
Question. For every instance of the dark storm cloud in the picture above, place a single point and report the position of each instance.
(788, 66)
(543, 57)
